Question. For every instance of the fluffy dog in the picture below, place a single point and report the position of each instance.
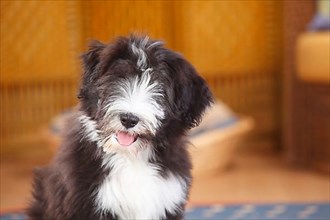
(124, 155)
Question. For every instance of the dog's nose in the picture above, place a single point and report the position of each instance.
(129, 120)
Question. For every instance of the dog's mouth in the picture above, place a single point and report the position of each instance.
(125, 138)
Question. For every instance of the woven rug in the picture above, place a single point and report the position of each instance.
(310, 211)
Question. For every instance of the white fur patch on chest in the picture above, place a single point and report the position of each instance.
(135, 190)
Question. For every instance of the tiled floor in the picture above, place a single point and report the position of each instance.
(256, 176)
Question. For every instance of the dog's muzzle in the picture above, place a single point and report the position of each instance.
(128, 120)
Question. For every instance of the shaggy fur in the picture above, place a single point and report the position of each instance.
(151, 96)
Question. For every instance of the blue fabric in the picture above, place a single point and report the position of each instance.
(319, 23)
(221, 125)
(318, 211)
(13, 216)
(309, 211)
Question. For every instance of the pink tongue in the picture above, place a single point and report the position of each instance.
(124, 138)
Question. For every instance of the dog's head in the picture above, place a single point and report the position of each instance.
(134, 90)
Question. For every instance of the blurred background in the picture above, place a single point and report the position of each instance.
(267, 62)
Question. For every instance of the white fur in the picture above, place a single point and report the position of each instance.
(90, 128)
(135, 190)
(138, 50)
(137, 96)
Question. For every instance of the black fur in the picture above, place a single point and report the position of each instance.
(66, 188)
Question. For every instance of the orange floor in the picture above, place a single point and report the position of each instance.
(254, 176)
(259, 176)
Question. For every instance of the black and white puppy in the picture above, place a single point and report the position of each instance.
(125, 154)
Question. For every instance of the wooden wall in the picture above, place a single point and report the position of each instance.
(235, 45)
(40, 43)
(106, 20)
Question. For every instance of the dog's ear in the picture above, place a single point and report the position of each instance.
(88, 93)
(194, 94)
